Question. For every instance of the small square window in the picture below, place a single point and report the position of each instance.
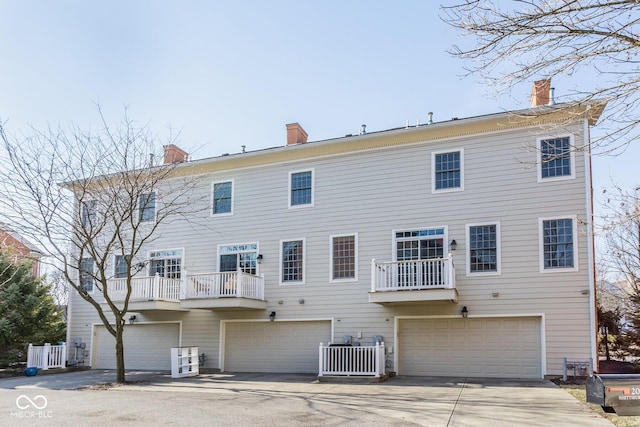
(448, 173)
(222, 198)
(147, 206)
(301, 188)
(343, 257)
(556, 159)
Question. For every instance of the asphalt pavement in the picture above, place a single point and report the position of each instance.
(154, 398)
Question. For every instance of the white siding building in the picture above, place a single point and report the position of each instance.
(388, 234)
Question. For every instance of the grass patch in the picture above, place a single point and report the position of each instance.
(579, 392)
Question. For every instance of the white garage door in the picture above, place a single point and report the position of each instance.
(146, 347)
(493, 347)
(274, 346)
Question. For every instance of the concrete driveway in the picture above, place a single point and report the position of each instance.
(295, 400)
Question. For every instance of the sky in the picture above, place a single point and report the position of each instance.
(232, 73)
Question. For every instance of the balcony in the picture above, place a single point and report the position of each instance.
(147, 293)
(225, 290)
(413, 281)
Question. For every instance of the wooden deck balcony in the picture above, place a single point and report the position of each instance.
(413, 281)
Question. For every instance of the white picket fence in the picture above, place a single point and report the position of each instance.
(352, 360)
(47, 356)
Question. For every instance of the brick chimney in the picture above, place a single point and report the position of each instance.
(540, 94)
(174, 154)
(295, 134)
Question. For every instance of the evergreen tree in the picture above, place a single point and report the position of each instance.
(28, 313)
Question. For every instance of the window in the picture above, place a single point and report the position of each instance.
(222, 198)
(292, 256)
(242, 256)
(301, 188)
(556, 159)
(420, 255)
(484, 248)
(147, 207)
(88, 213)
(344, 257)
(557, 246)
(448, 171)
(121, 266)
(86, 274)
(166, 263)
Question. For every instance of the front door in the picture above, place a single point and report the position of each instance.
(417, 246)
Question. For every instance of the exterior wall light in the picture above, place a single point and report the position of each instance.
(464, 312)
(259, 259)
(132, 319)
(453, 245)
(272, 316)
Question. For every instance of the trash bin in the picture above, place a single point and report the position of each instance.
(615, 392)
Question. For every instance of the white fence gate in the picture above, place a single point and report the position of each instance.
(47, 356)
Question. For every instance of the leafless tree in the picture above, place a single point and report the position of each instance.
(86, 197)
(510, 42)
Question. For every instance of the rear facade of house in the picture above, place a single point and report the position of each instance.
(380, 236)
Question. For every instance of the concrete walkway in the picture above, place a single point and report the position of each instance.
(296, 400)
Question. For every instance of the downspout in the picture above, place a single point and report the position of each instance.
(591, 247)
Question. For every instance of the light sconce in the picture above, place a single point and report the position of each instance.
(132, 319)
(259, 258)
(272, 316)
(301, 301)
(495, 294)
(465, 312)
(453, 245)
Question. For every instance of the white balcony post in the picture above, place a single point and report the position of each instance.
(63, 358)
(45, 356)
(373, 275)
(449, 273)
(261, 290)
(184, 286)
(239, 291)
(320, 361)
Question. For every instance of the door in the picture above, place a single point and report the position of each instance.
(417, 274)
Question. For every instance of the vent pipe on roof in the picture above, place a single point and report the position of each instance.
(363, 129)
(552, 101)
(430, 114)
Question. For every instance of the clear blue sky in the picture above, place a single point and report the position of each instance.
(229, 74)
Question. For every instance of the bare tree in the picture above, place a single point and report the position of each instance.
(89, 198)
(524, 40)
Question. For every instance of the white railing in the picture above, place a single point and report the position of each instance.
(47, 356)
(351, 360)
(234, 284)
(437, 273)
(149, 288)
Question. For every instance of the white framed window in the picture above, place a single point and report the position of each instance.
(556, 158)
(222, 198)
(88, 211)
(292, 261)
(301, 188)
(166, 263)
(483, 248)
(147, 207)
(86, 274)
(121, 266)
(447, 168)
(243, 256)
(344, 258)
(558, 247)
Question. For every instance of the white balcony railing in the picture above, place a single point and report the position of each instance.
(234, 284)
(46, 356)
(352, 360)
(437, 273)
(148, 288)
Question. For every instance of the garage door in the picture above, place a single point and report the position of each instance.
(495, 347)
(274, 346)
(146, 347)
